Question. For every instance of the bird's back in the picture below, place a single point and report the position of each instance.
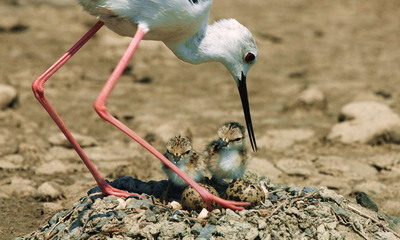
(166, 19)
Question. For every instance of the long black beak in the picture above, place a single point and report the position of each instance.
(246, 109)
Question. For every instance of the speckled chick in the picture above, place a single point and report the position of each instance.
(181, 153)
(228, 156)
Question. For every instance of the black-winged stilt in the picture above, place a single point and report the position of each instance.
(183, 26)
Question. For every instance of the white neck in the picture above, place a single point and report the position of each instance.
(207, 45)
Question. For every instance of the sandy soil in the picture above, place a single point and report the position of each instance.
(347, 49)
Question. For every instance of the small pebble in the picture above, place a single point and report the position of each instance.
(366, 201)
(196, 229)
(121, 205)
(176, 205)
(150, 216)
(60, 140)
(49, 208)
(8, 95)
(203, 214)
(272, 197)
(206, 232)
(308, 190)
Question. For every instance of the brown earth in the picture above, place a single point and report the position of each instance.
(347, 49)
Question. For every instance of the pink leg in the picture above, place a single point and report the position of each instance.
(100, 107)
(38, 89)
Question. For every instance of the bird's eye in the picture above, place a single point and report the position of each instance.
(236, 140)
(185, 153)
(249, 58)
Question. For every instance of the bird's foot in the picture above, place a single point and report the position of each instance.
(209, 198)
(107, 189)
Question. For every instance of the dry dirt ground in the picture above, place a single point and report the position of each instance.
(347, 49)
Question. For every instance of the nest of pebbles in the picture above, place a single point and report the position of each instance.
(287, 213)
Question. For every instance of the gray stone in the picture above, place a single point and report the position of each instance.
(366, 201)
(133, 203)
(196, 229)
(308, 190)
(206, 232)
(262, 224)
(150, 216)
(294, 190)
(252, 234)
(327, 195)
(340, 211)
(231, 215)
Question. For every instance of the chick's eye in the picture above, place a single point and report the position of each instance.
(236, 140)
(249, 57)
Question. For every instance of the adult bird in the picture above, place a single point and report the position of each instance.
(182, 26)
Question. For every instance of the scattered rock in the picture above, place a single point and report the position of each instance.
(60, 140)
(56, 166)
(341, 167)
(19, 186)
(370, 187)
(295, 167)
(366, 122)
(310, 99)
(49, 191)
(384, 162)
(8, 96)
(4, 195)
(8, 166)
(51, 208)
(8, 144)
(268, 168)
(281, 139)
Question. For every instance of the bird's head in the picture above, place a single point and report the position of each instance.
(178, 149)
(231, 136)
(239, 56)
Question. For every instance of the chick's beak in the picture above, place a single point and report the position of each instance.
(176, 159)
(246, 109)
(222, 144)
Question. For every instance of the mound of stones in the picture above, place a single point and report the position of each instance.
(287, 213)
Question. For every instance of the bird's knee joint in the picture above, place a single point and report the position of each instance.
(101, 110)
(38, 89)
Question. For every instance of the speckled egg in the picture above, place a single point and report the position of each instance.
(245, 191)
(191, 199)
